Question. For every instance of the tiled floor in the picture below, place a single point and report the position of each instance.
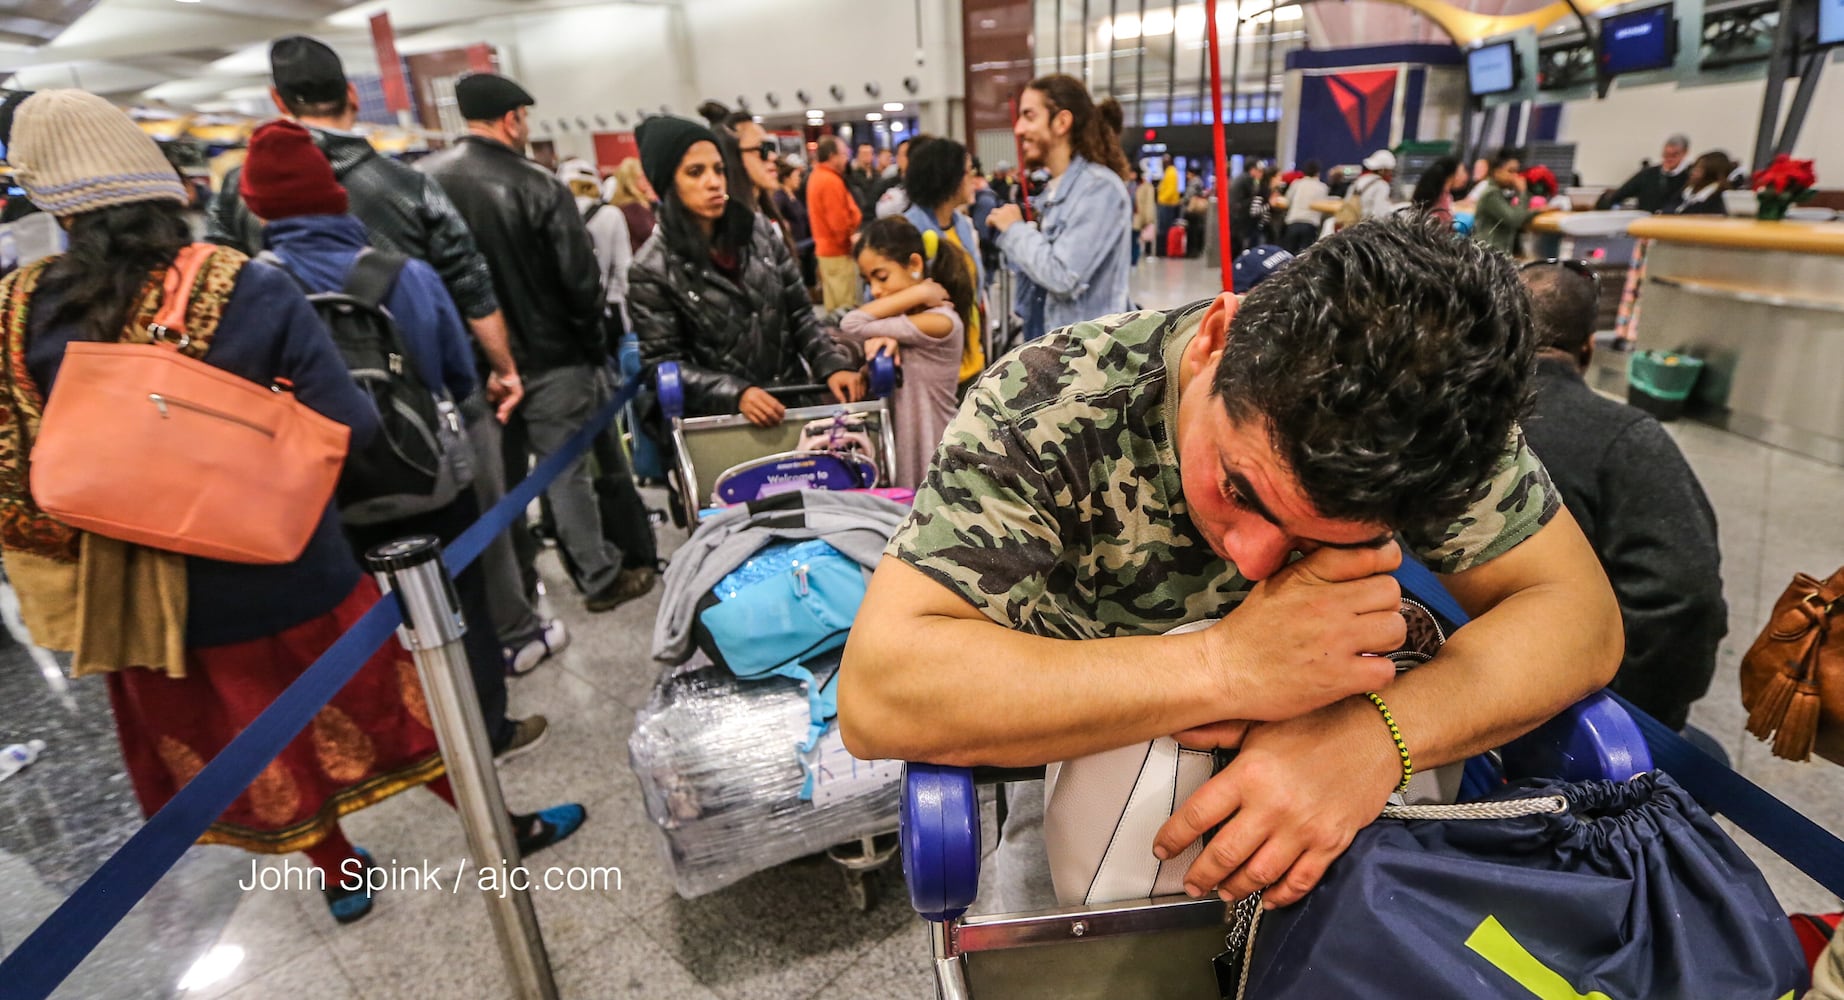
(785, 933)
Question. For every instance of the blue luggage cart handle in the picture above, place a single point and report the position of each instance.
(940, 810)
(669, 384)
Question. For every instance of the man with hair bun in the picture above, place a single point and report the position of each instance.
(1073, 266)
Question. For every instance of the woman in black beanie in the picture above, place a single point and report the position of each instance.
(718, 292)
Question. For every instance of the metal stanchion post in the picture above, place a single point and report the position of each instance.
(432, 629)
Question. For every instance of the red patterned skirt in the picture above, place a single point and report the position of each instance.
(370, 742)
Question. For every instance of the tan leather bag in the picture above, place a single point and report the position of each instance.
(1793, 675)
(141, 443)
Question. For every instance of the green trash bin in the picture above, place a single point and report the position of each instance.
(1659, 382)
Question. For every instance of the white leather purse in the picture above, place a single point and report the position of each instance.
(1101, 812)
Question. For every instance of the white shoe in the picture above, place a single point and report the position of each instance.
(551, 640)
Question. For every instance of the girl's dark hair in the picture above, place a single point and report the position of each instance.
(1714, 167)
(937, 169)
(113, 252)
(713, 112)
(1094, 132)
(896, 238)
(1433, 181)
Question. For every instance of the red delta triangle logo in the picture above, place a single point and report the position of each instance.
(1363, 97)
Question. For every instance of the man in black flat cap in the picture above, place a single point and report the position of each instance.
(546, 277)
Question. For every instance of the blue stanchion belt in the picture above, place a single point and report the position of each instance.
(73, 930)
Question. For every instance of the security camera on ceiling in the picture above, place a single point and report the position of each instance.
(873, 89)
(837, 92)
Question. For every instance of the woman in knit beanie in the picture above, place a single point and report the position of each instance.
(191, 659)
(718, 292)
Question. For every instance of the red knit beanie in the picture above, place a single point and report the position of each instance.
(286, 175)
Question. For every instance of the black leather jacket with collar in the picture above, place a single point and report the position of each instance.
(544, 267)
(402, 211)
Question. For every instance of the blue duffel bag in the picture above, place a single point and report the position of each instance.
(1595, 890)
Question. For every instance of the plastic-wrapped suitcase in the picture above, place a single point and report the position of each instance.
(721, 777)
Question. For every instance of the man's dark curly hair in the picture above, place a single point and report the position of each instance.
(1390, 363)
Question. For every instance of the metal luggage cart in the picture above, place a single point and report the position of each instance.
(706, 447)
(1159, 948)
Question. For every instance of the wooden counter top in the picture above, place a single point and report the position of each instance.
(1548, 222)
(1744, 234)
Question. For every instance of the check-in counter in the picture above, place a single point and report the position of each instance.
(1763, 304)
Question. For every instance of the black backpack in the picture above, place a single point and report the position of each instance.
(420, 459)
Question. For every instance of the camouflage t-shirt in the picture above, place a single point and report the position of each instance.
(1055, 507)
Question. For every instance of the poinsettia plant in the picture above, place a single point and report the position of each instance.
(1786, 176)
(1541, 181)
(1785, 182)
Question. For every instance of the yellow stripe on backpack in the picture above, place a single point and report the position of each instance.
(1493, 943)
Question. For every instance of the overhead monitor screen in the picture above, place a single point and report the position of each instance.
(1638, 41)
(1492, 69)
(1831, 22)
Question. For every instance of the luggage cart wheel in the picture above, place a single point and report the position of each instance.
(858, 860)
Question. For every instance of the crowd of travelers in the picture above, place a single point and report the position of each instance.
(510, 291)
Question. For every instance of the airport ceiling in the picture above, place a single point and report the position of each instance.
(203, 53)
(207, 51)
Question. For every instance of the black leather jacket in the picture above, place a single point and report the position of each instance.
(728, 335)
(544, 267)
(402, 211)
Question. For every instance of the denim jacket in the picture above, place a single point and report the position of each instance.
(1073, 265)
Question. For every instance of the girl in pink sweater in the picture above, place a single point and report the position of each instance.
(921, 297)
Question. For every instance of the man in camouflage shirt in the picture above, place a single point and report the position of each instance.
(1123, 477)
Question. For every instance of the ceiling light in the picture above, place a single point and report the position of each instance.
(873, 117)
(897, 128)
(893, 107)
(815, 113)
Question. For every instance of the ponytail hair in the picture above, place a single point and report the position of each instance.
(897, 239)
(1094, 132)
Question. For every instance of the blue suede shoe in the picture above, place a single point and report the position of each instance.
(346, 904)
(553, 825)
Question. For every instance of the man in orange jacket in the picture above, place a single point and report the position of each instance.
(835, 217)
